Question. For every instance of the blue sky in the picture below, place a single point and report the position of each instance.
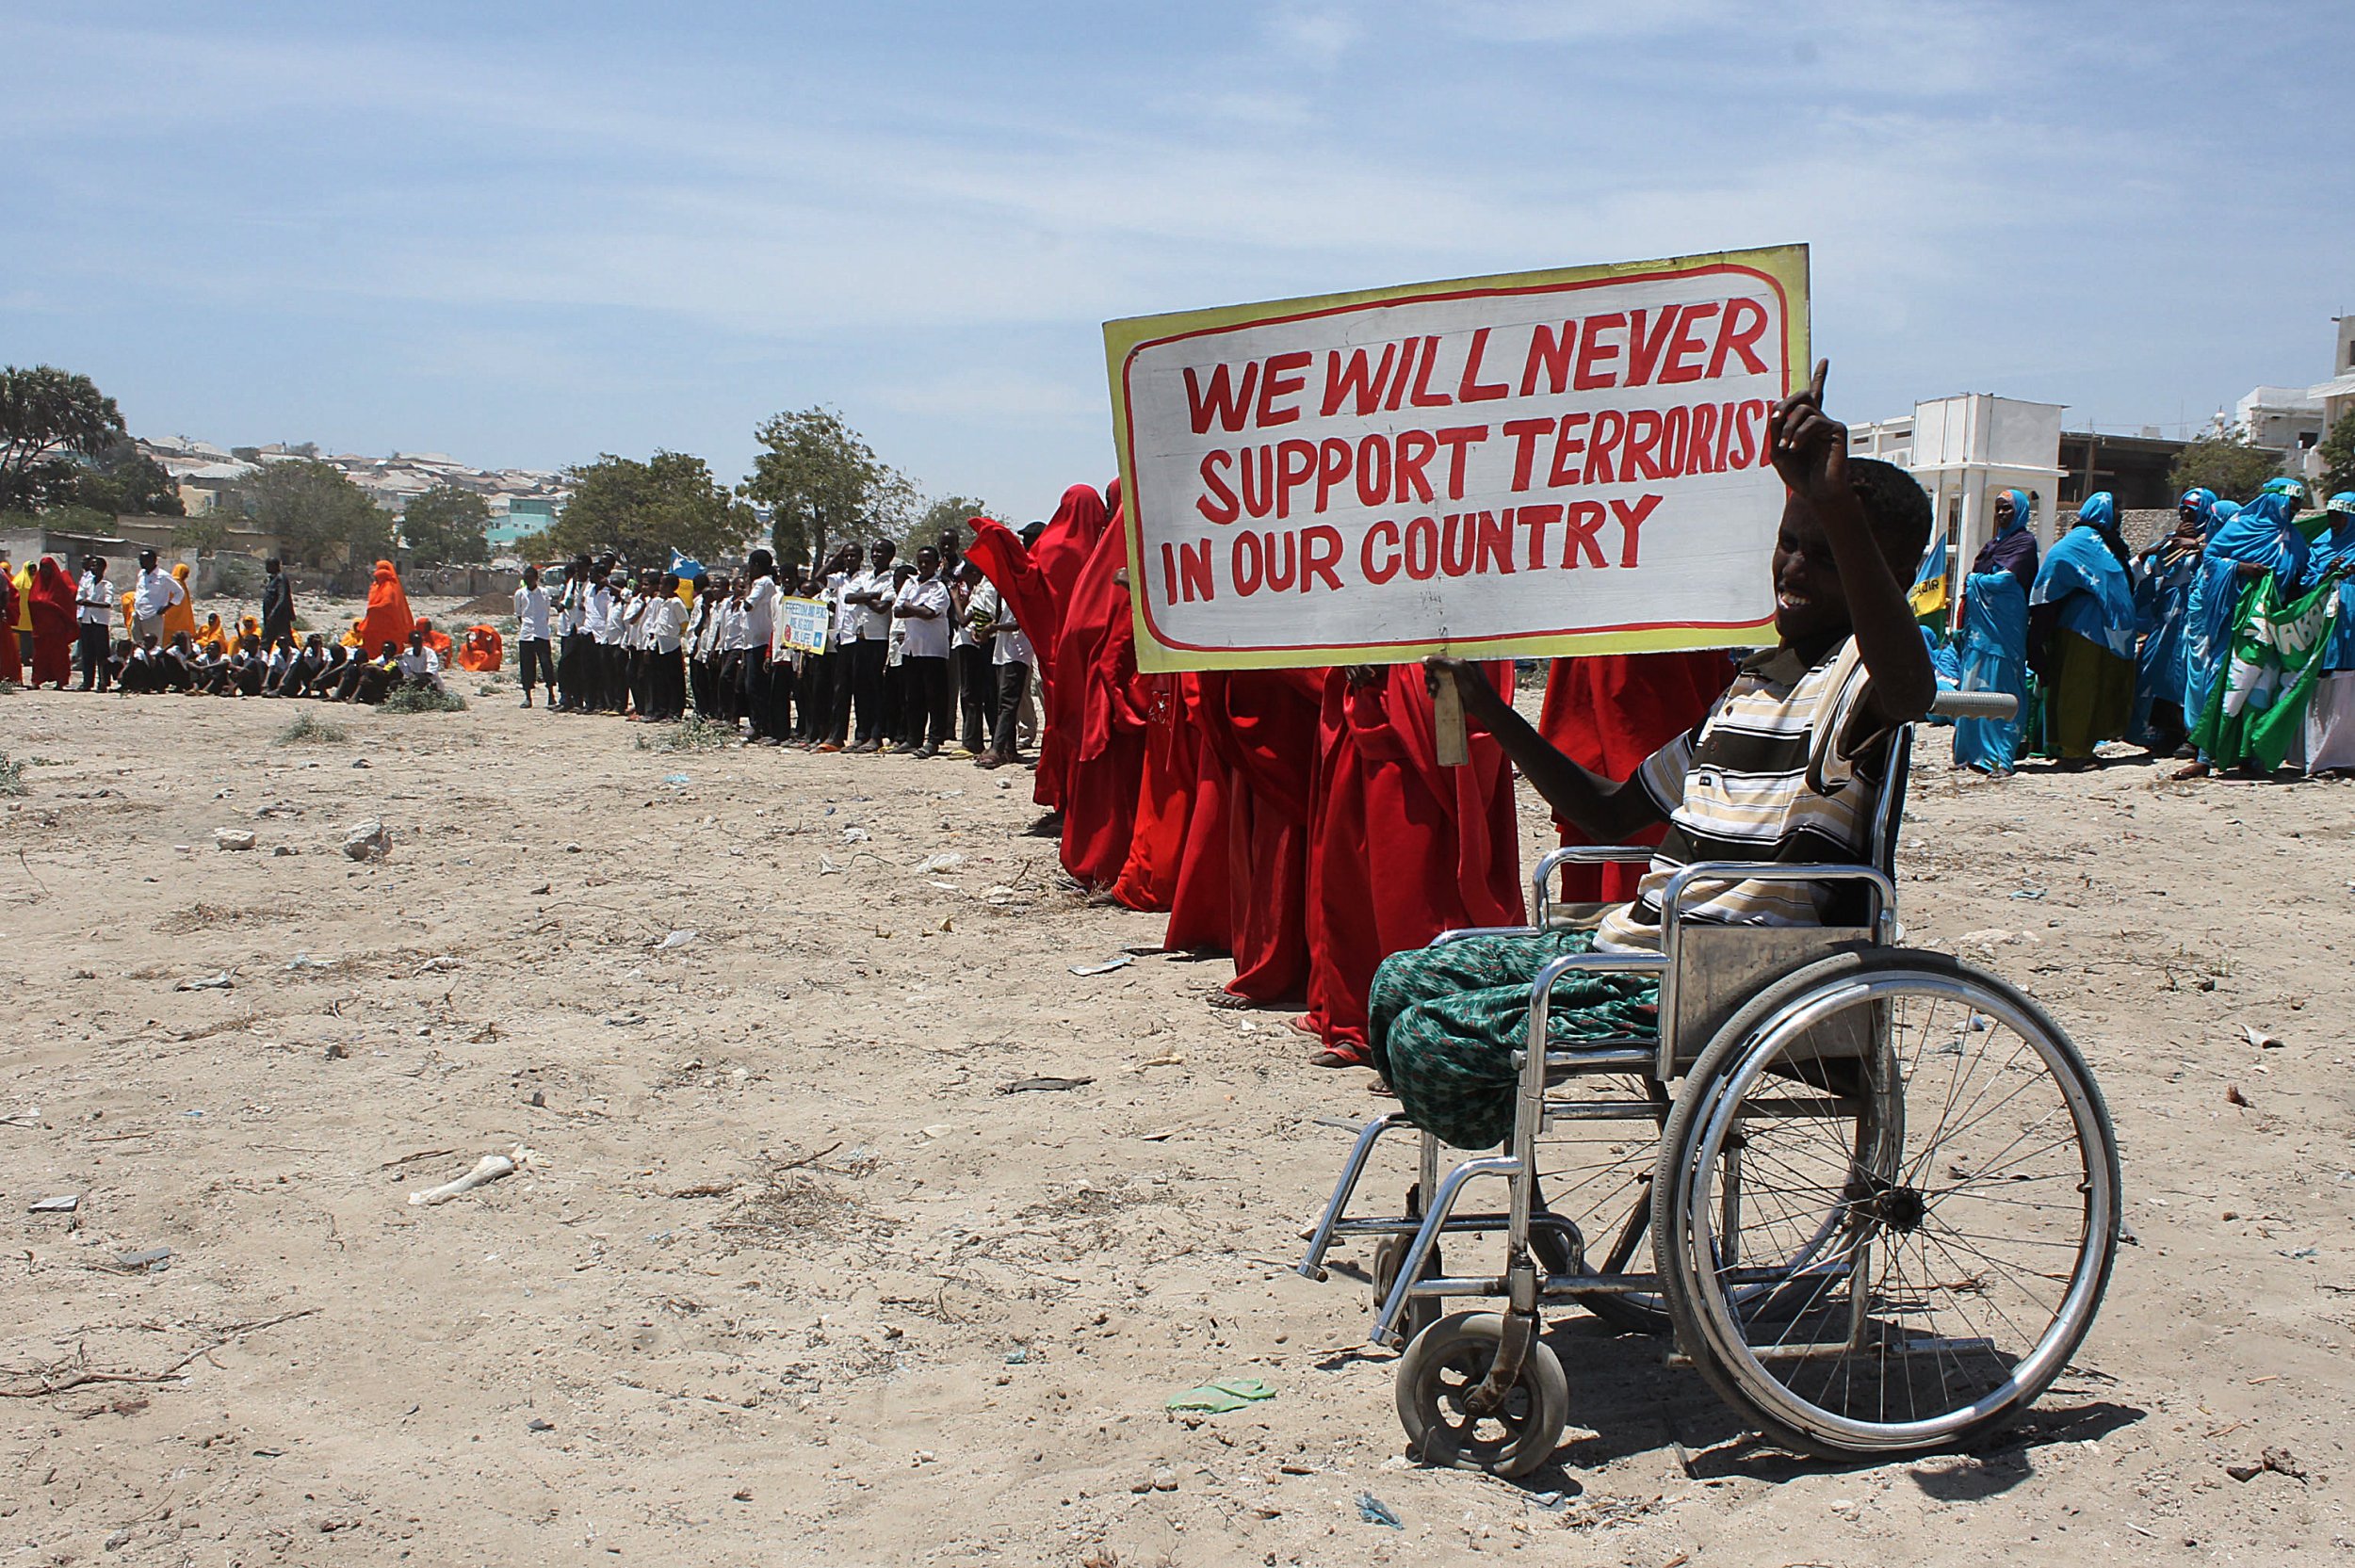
(526, 233)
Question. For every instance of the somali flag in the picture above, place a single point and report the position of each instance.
(2255, 710)
(1930, 594)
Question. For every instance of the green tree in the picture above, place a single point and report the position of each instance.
(48, 417)
(949, 515)
(204, 534)
(124, 481)
(2337, 452)
(2231, 465)
(316, 515)
(646, 510)
(822, 482)
(447, 527)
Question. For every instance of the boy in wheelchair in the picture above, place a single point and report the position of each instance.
(1743, 786)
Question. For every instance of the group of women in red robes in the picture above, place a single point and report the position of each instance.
(1296, 819)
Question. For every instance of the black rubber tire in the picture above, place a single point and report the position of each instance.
(1453, 1356)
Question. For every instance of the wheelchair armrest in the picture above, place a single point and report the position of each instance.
(1457, 935)
(1673, 897)
(1541, 880)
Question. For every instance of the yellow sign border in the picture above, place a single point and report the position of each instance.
(1785, 266)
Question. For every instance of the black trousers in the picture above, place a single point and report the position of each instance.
(756, 686)
(867, 657)
(817, 696)
(615, 658)
(639, 679)
(1013, 682)
(532, 655)
(977, 694)
(924, 692)
(90, 648)
(666, 684)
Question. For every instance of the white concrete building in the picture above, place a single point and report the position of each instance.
(1966, 450)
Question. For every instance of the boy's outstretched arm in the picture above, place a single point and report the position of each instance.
(1811, 454)
(1605, 810)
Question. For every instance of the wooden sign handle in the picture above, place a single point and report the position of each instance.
(1447, 718)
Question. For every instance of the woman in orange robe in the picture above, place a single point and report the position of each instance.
(484, 651)
(182, 616)
(388, 619)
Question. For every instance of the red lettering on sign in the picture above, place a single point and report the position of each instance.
(1645, 348)
(1567, 452)
(1550, 352)
(1422, 548)
(1470, 390)
(1459, 440)
(1738, 330)
(1280, 382)
(1496, 541)
(1320, 548)
(1609, 426)
(1630, 519)
(1688, 343)
(1424, 397)
(1640, 459)
(1357, 380)
(1244, 564)
(1384, 532)
(1676, 429)
(1280, 577)
(1578, 533)
(1594, 354)
(1332, 466)
(1537, 519)
(1295, 465)
(1223, 401)
(1218, 504)
(1525, 434)
(1258, 499)
(1415, 448)
(1459, 537)
(1704, 452)
(1193, 572)
(1398, 382)
(1745, 442)
(1373, 470)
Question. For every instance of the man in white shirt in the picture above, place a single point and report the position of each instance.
(532, 653)
(612, 657)
(760, 636)
(925, 608)
(664, 620)
(1013, 657)
(821, 673)
(873, 592)
(155, 591)
(970, 669)
(420, 665)
(93, 607)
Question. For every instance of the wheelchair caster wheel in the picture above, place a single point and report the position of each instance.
(1421, 1311)
(1451, 1359)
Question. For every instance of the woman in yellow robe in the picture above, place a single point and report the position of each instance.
(182, 616)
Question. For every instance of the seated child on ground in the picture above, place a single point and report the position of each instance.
(1444, 1022)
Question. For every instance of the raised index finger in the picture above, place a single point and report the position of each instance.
(1815, 387)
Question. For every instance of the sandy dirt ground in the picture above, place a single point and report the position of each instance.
(789, 1276)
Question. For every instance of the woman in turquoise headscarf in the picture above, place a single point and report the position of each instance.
(2244, 544)
(2163, 577)
(1994, 643)
(2082, 613)
(2330, 715)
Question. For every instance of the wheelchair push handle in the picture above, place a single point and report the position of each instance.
(1974, 704)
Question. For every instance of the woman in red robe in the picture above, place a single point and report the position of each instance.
(1609, 712)
(1070, 537)
(388, 619)
(1243, 881)
(52, 625)
(1095, 699)
(1403, 847)
(11, 662)
(1158, 841)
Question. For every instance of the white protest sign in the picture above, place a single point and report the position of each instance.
(1554, 462)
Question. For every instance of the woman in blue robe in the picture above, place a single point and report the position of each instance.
(2082, 613)
(2331, 715)
(2244, 544)
(2163, 576)
(1992, 647)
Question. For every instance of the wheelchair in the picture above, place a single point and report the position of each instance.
(1871, 1192)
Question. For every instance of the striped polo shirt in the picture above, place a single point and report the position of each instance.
(1735, 788)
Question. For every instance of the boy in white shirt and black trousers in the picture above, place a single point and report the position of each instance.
(531, 636)
(925, 607)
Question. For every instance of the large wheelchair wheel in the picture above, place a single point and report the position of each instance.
(1887, 1205)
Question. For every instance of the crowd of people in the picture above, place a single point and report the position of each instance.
(2229, 640)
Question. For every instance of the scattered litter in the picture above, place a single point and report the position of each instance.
(624, 1020)
(369, 841)
(437, 966)
(1146, 950)
(65, 1202)
(1223, 1394)
(827, 868)
(210, 983)
(1018, 1356)
(2261, 1040)
(1044, 1086)
(490, 1168)
(938, 1130)
(147, 1260)
(2303, 1254)
(948, 860)
(2280, 1460)
(282, 850)
(1167, 1058)
(535, 1424)
(676, 779)
(1106, 967)
(676, 939)
(2027, 893)
(233, 838)
(2232, 1096)
(303, 961)
(1996, 936)
(360, 761)
(855, 836)
(1373, 1511)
